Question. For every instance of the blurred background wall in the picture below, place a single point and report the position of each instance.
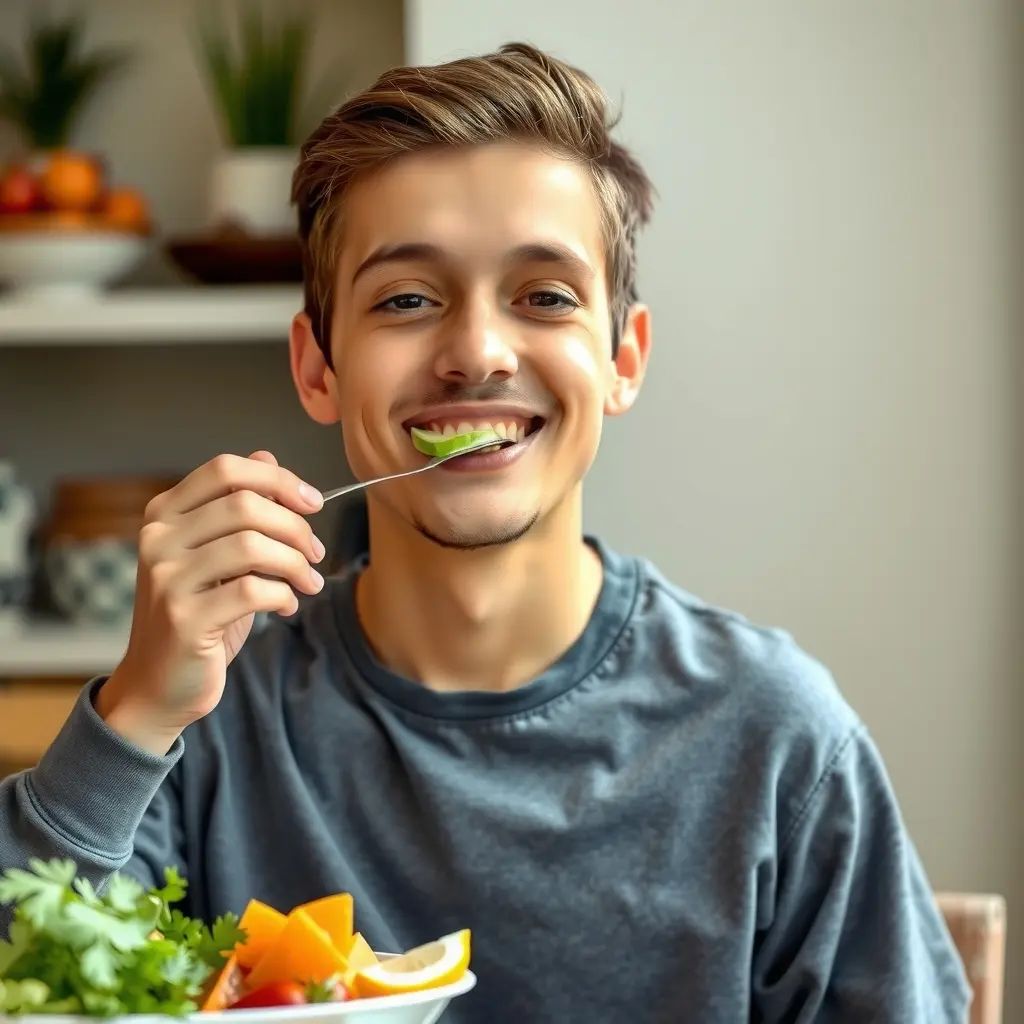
(830, 435)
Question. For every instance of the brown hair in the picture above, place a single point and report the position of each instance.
(517, 93)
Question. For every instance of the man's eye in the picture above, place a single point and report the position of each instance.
(406, 303)
(557, 301)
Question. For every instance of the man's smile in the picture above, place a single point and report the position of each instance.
(516, 424)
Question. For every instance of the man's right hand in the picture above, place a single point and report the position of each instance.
(205, 552)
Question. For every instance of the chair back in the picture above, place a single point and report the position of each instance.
(977, 922)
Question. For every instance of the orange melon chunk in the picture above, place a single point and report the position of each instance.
(334, 915)
(262, 926)
(302, 951)
(226, 989)
(359, 956)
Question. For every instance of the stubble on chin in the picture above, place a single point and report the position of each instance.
(469, 538)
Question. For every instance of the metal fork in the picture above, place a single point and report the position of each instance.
(502, 442)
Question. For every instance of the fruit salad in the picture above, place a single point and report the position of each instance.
(312, 955)
(126, 950)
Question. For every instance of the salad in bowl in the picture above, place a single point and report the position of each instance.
(129, 952)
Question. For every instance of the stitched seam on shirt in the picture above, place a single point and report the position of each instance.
(716, 614)
(490, 722)
(823, 780)
(62, 832)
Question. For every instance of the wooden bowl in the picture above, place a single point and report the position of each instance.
(237, 258)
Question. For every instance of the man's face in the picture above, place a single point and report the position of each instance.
(471, 291)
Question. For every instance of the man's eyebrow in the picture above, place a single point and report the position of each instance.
(552, 252)
(426, 252)
(403, 252)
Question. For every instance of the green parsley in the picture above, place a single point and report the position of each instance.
(73, 950)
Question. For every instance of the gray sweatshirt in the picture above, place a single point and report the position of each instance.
(681, 819)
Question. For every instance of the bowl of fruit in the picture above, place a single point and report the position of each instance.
(129, 955)
(66, 231)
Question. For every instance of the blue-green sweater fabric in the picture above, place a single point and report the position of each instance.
(680, 820)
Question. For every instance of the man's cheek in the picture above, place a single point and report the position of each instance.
(359, 450)
(360, 457)
(579, 443)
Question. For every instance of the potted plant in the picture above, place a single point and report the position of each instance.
(257, 80)
(44, 90)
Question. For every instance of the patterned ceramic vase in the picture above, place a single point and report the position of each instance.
(90, 544)
(17, 514)
(93, 582)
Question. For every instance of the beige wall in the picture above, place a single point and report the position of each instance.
(829, 439)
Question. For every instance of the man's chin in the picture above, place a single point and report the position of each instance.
(474, 536)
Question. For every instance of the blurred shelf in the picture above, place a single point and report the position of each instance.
(183, 316)
(60, 649)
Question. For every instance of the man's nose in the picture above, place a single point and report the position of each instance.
(476, 347)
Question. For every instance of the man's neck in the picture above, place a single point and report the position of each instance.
(489, 619)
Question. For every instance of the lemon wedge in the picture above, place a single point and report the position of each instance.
(441, 962)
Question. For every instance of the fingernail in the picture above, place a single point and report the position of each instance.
(318, 580)
(310, 495)
(318, 548)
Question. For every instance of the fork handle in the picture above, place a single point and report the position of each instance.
(360, 484)
(339, 491)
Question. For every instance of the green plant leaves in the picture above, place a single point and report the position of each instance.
(73, 949)
(44, 88)
(257, 81)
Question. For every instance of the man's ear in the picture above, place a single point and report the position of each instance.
(314, 379)
(630, 362)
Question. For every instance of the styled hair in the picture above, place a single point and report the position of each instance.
(518, 93)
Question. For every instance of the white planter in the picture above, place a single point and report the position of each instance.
(252, 188)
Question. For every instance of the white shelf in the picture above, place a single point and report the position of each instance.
(165, 315)
(56, 649)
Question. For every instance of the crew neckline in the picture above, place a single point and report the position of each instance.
(611, 613)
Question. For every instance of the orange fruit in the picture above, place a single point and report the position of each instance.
(42, 221)
(71, 180)
(63, 219)
(262, 925)
(125, 208)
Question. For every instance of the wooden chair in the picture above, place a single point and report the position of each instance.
(977, 922)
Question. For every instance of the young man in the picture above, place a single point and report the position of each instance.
(644, 807)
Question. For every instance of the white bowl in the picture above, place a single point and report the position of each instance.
(416, 1008)
(66, 264)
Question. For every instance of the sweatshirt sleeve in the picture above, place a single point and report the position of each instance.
(96, 799)
(857, 935)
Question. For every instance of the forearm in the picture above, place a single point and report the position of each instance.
(133, 722)
(84, 801)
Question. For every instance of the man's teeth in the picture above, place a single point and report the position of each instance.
(513, 431)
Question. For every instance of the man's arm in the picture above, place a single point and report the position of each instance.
(856, 934)
(94, 798)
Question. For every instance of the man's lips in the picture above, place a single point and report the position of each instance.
(506, 421)
(489, 459)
